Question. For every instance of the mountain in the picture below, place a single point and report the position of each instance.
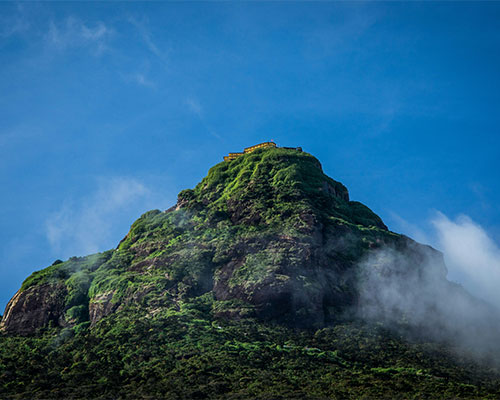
(265, 280)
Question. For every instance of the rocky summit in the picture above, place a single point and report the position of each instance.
(265, 280)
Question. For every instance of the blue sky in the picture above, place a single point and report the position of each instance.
(108, 110)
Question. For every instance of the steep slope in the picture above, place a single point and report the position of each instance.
(268, 235)
(265, 281)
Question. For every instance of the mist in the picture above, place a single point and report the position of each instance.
(97, 221)
(472, 257)
(407, 290)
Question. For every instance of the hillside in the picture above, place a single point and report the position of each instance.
(265, 280)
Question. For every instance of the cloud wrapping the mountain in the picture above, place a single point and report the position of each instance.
(407, 294)
(470, 253)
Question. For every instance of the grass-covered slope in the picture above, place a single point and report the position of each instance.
(249, 287)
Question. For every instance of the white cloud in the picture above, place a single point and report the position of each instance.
(142, 80)
(147, 38)
(470, 253)
(323, 41)
(12, 27)
(139, 78)
(195, 107)
(411, 230)
(15, 23)
(17, 135)
(90, 224)
(472, 256)
(75, 33)
(404, 288)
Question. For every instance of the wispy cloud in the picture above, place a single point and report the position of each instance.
(472, 253)
(147, 38)
(73, 32)
(13, 26)
(338, 38)
(17, 135)
(14, 23)
(194, 106)
(415, 232)
(472, 256)
(404, 288)
(143, 81)
(86, 225)
(139, 78)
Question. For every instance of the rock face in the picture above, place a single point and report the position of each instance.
(267, 235)
(101, 306)
(34, 308)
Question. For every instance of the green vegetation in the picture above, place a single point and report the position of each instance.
(241, 291)
(275, 185)
(182, 354)
(60, 271)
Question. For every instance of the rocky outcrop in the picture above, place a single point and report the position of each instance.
(34, 308)
(101, 306)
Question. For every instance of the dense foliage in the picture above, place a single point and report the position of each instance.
(183, 355)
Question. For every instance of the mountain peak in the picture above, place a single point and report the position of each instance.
(273, 185)
(264, 234)
(266, 239)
